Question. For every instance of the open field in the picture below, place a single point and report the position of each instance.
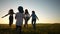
(40, 29)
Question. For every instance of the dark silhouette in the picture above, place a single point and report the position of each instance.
(34, 17)
(10, 17)
(27, 16)
(19, 19)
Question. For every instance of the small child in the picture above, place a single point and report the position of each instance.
(10, 13)
(19, 19)
(27, 17)
(34, 17)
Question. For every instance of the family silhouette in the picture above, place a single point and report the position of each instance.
(19, 16)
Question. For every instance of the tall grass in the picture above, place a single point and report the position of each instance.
(40, 29)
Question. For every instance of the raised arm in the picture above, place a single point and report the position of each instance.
(5, 15)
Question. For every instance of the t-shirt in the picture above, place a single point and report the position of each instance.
(19, 19)
(33, 16)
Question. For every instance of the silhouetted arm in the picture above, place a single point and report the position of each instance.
(37, 18)
(15, 16)
(30, 16)
(5, 15)
(14, 13)
(24, 16)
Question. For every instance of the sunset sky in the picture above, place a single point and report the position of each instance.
(48, 11)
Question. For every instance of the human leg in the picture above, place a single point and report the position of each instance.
(34, 24)
(10, 21)
(18, 29)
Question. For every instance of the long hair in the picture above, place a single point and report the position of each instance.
(11, 11)
(20, 8)
(26, 11)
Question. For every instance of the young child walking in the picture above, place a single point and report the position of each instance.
(19, 19)
(10, 13)
(27, 17)
(34, 17)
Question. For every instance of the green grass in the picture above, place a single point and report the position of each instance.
(40, 29)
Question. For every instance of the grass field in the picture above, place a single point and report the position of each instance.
(40, 29)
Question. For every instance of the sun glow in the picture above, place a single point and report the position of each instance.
(47, 12)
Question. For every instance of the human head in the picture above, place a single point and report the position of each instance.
(26, 11)
(33, 12)
(11, 11)
(20, 8)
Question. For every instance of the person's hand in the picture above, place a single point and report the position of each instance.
(38, 19)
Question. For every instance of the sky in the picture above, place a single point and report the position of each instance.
(48, 11)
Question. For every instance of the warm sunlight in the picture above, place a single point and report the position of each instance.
(47, 12)
(29, 16)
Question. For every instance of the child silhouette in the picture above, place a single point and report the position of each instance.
(27, 17)
(10, 17)
(34, 17)
(19, 19)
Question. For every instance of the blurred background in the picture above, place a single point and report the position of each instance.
(48, 11)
